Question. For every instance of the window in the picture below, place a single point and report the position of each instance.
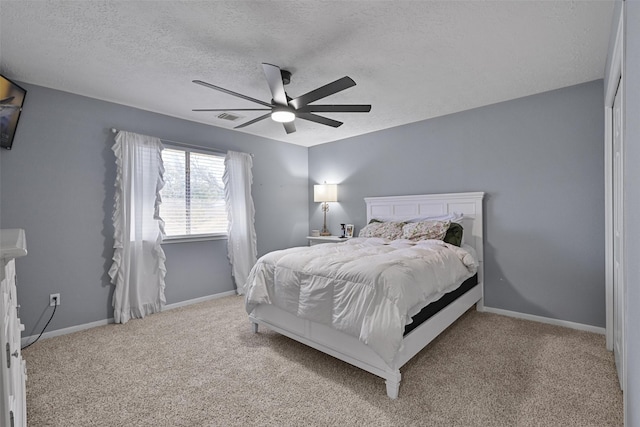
(193, 202)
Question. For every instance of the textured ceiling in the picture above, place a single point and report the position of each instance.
(411, 60)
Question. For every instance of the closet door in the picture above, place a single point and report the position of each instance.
(619, 294)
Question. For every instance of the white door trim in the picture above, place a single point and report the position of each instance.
(615, 76)
(611, 86)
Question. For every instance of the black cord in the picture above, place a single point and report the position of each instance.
(45, 327)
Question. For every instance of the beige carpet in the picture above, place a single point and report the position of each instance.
(202, 366)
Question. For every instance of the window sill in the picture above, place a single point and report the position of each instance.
(198, 238)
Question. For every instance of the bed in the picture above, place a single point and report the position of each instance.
(374, 356)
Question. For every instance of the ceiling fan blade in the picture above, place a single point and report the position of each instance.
(322, 92)
(231, 109)
(229, 92)
(250, 122)
(274, 79)
(319, 119)
(290, 127)
(345, 108)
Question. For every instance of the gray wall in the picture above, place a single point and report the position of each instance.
(540, 161)
(632, 208)
(57, 184)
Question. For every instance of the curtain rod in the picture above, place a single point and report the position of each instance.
(184, 144)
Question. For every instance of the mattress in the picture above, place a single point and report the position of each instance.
(432, 309)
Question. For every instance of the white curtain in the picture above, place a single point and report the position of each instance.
(242, 245)
(138, 269)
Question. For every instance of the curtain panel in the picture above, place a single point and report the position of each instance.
(242, 246)
(138, 268)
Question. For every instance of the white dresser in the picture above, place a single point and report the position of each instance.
(13, 370)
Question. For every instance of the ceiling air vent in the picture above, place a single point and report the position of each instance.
(229, 116)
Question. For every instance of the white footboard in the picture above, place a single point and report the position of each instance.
(325, 339)
(353, 351)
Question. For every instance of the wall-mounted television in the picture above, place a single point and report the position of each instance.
(11, 100)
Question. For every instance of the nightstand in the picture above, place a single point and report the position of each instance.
(326, 239)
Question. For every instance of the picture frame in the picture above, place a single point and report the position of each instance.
(349, 230)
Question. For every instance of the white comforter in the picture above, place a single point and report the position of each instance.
(367, 288)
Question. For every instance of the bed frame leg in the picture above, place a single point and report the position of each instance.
(393, 385)
(480, 305)
(254, 327)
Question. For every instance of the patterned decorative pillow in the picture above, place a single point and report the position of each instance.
(370, 229)
(387, 230)
(425, 230)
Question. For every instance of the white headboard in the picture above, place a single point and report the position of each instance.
(402, 208)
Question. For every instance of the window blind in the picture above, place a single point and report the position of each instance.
(193, 196)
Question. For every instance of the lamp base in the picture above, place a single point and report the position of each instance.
(325, 231)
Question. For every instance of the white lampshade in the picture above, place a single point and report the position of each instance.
(325, 193)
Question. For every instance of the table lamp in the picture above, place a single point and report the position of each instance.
(325, 193)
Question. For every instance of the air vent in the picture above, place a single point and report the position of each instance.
(229, 116)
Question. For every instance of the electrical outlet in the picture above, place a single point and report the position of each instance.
(54, 299)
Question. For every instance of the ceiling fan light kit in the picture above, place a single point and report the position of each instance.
(284, 109)
(282, 115)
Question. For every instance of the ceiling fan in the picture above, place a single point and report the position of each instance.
(285, 109)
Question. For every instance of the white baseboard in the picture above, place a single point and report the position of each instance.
(26, 340)
(197, 300)
(548, 320)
